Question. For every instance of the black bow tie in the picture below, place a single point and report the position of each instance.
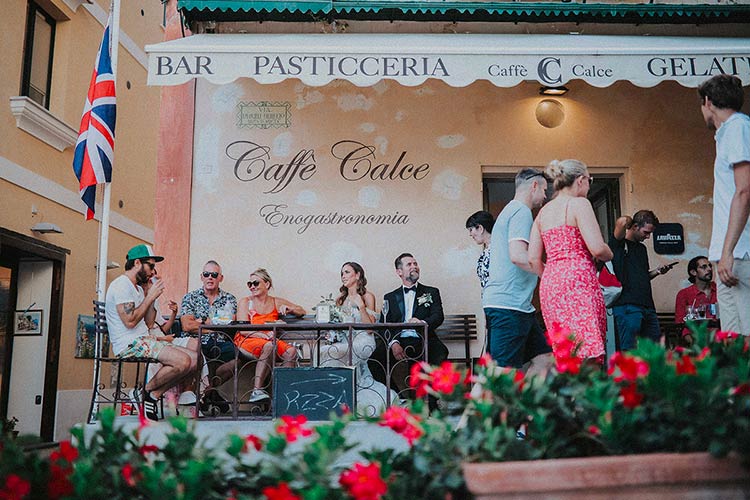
(410, 289)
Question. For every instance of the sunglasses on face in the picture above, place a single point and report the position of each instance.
(214, 275)
(251, 284)
(152, 265)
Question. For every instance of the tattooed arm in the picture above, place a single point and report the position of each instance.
(131, 315)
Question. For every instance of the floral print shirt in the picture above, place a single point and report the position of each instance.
(196, 303)
(483, 267)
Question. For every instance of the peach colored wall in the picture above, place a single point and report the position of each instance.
(173, 179)
(655, 136)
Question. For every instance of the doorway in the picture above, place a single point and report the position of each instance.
(31, 284)
(498, 189)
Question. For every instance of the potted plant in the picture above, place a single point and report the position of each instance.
(656, 420)
(668, 423)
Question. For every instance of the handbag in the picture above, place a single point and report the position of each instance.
(610, 285)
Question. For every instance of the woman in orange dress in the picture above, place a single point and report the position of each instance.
(260, 308)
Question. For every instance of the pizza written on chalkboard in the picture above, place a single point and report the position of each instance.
(313, 392)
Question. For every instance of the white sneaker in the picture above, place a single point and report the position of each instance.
(258, 395)
(187, 398)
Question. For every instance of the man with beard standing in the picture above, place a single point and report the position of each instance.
(128, 310)
(702, 293)
(634, 311)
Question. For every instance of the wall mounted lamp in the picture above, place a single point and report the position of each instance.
(562, 90)
(110, 265)
(46, 227)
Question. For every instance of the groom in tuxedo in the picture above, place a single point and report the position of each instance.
(415, 303)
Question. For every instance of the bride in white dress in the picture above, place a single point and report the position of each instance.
(371, 394)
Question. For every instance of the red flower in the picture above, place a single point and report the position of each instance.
(293, 427)
(128, 474)
(485, 360)
(568, 364)
(628, 368)
(631, 398)
(706, 352)
(143, 422)
(445, 378)
(280, 492)
(418, 378)
(412, 433)
(252, 440)
(519, 378)
(67, 451)
(148, 448)
(363, 482)
(564, 347)
(15, 488)
(685, 366)
(722, 335)
(345, 410)
(741, 390)
(594, 430)
(401, 421)
(59, 485)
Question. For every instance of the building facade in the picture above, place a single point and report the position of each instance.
(49, 49)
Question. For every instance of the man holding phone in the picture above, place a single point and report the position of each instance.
(634, 312)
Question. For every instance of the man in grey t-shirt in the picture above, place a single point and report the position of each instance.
(515, 336)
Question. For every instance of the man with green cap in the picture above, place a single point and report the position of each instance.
(128, 309)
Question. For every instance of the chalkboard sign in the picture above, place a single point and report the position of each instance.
(313, 392)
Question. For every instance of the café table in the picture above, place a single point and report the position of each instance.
(311, 332)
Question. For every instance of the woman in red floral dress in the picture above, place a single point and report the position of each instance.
(567, 231)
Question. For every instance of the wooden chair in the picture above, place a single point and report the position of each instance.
(119, 394)
(461, 328)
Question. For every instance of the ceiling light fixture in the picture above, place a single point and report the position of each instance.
(562, 90)
(46, 227)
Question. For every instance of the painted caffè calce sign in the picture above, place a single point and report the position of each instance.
(355, 162)
(459, 60)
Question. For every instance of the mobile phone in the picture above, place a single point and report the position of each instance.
(670, 266)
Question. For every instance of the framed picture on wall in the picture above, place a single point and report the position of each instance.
(86, 338)
(27, 322)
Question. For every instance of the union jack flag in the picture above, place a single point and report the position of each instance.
(94, 152)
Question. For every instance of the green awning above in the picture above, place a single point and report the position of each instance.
(239, 10)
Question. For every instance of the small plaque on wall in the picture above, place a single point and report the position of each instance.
(669, 238)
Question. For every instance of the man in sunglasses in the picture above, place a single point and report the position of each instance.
(128, 309)
(198, 309)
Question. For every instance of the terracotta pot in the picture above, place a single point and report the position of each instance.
(659, 476)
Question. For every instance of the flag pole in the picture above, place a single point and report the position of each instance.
(101, 282)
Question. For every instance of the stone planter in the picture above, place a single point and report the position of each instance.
(662, 476)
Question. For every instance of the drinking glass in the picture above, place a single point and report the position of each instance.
(384, 310)
(701, 311)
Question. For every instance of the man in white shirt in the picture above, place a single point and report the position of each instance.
(128, 310)
(721, 100)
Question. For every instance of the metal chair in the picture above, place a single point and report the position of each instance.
(119, 395)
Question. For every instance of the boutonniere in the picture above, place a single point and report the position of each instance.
(425, 299)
